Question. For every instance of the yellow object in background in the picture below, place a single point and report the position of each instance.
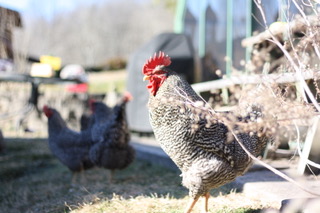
(54, 62)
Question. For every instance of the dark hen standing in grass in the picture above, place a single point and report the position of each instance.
(97, 114)
(69, 146)
(100, 120)
(199, 144)
(112, 149)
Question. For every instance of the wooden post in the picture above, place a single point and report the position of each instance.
(180, 15)
(311, 146)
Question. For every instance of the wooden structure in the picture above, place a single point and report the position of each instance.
(8, 20)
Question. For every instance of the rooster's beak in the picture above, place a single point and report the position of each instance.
(146, 77)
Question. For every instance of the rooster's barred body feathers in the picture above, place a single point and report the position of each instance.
(202, 150)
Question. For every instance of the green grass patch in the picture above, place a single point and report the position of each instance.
(108, 86)
(107, 81)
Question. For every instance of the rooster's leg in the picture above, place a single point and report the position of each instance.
(191, 204)
(206, 198)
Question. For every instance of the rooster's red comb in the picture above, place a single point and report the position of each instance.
(156, 60)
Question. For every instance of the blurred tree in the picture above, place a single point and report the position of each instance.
(92, 34)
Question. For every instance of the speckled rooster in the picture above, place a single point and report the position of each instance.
(199, 144)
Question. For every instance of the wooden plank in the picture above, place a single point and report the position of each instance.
(250, 79)
(311, 143)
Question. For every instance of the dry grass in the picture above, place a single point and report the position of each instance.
(156, 204)
(32, 180)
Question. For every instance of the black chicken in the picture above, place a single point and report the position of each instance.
(70, 147)
(112, 150)
(100, 120)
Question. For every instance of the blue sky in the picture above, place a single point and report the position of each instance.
(25, 5)
(43, 7)
(48, 8)
(14, 4)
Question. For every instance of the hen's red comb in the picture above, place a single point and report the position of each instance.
(127, 96)
(152, 63)
(45, 108)
(47, 111)
(91, 103)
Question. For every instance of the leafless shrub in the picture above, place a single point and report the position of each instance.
(90, 34)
